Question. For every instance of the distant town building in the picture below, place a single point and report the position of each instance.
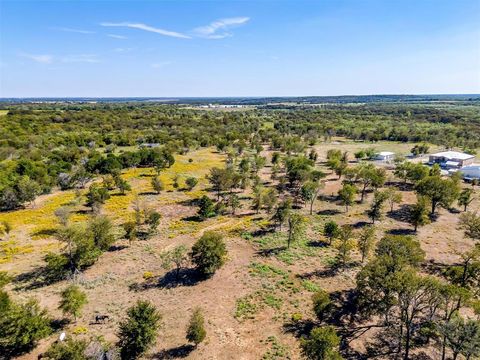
(385, 156)
(451, 159)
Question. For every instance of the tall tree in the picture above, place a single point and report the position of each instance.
(347, 195)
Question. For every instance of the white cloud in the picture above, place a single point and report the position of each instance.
(211, 30)
(84, 58)
(79, 31)
(44, 59)
(145, 27)
(122, 50)
(117, 36)
(161, 64)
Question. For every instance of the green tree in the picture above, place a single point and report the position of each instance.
(153, 220)
(73, 300)
(234, 202)
(69, 349)
(344, 245)
(177, 257)
(347, 195)
(331, 231)
(418, 214)
(209, 253)
(22, 326)
(282, 212)
(470, 223)
(196, 332)
(191, 182)
(321, 304)
(393, 197)
(369, 177)
(270, 198)
(462, 337)
(465, 198)
(206, 207)
(366, 240)
(322, 344)
(80, 250)
(121, 184)
(138, 331)
(439, 191)
(258, 197)
(101, 228)
(130, 228)
(296, 228)
(96, 196)
(157, 184)
(377, 281)
(375, 211)
(309, 193)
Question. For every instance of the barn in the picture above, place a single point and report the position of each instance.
(451, 159)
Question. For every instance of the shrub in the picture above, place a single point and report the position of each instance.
(191, 182)
(73, 300)
(69, 349)
(138, 332)
(322, 344)
(196, 332)
(206, 207)
(209, 253)
(321, 303)
(21, 326)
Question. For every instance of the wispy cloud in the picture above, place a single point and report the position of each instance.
(117, 36)
(160, 65)
(73, 58)
(40, 58)
(80, 58)
(219, 29)
(79, 31)
(145, 27)
(122, 50)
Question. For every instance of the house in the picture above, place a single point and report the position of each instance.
(451, 159)
(385, 156)
(471, 172)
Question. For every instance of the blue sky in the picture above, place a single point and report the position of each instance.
(238, 48)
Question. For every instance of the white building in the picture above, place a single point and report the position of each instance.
(451, 159)
(385, 156)
(471, 172)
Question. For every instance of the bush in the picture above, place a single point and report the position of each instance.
(321, 303)
(196, 332)
(21, 326)
(296, 317)
(138, 332)
(209, 253)
(191, 182)
(69, 349)
(206, 207)
(322, 344)
(56, 268)
(73, 300)
(101, 228)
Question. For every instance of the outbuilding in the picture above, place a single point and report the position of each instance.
(451, 159)
(385, 156)
(471, 172)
